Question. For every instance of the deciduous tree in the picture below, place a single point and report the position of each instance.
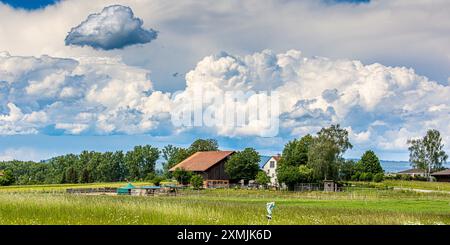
(243, 165)
(427, 153)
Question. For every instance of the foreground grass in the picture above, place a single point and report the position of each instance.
(227, 207)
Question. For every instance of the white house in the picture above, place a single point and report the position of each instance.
(269, 165)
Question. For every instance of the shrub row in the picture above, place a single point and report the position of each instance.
(368, 177)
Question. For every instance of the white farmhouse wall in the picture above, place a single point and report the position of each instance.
(270, 168)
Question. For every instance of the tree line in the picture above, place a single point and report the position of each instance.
(308, 159)
(304, 160)
(91, 166)
(86, 167)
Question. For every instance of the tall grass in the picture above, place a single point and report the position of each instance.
(227, 207)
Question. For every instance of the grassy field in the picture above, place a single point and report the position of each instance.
(423, 185)
(362, 206)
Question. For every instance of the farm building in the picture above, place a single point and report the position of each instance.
(125, 190)
(210, 165)
(442, 176)
(413, 172)
(269, 165)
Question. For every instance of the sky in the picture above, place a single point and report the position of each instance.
(108, 75)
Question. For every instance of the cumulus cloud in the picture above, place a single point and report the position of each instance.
(25, 154)
(381, 106)
(114, 28)
(89, 95)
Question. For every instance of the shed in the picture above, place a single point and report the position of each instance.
(442, 176)
(329, 185)
(125, 190)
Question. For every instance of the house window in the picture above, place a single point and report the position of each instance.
(272, 164)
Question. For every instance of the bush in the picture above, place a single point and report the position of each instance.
(150, 176)
(7, 178)
(362, 177)
(157, 180)
(196, 181)
(262, 178)
(356, 176)
(405, 177)
(369, 177)
(378, 177)
(420, 178)
(182, 176)
(366, 177)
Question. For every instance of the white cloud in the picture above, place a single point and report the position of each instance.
(382, 106)
(114, 27)
(24, 154)
(417, 35)
(98, 95)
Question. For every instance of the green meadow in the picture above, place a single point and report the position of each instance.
(50, 205)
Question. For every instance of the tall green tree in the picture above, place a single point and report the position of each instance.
(172, 156)
(71, 175)
(119, 170)
(325, 155)
(347, 169)
(203, 145)
(243, 165)
(427, 153)
(370, 163)
(338, 136)
(295, 154)
(323, 158)
(141, 161)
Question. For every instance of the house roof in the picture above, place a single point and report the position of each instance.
(412, 171)
(263, 161)
(443, 172)
(202, 160)
(277, 157)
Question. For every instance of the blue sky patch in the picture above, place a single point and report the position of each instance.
(29, 4)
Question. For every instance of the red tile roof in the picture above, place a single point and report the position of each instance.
(201, 161)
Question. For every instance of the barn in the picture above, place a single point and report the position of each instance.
(210, 165)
